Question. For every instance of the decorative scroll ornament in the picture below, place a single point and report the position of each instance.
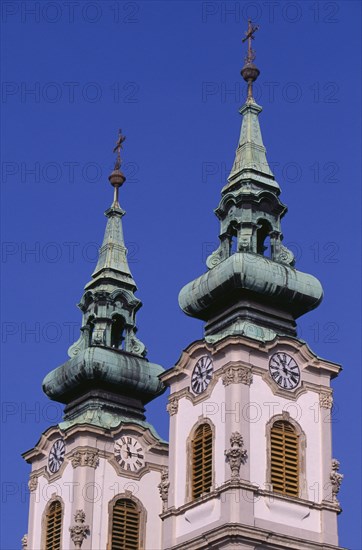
(237, 375)
(24, 542)
(85, 457)
(163, 488)
(136, 346)
(79, 345)
(336, 479)
(172, 406)
(236, 455)
(79, 531)
(326, 400)
(33, 483)
(284, 256)
(216, 257)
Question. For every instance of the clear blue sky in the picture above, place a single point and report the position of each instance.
(167, 73)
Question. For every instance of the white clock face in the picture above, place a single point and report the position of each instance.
(202, 374)
(56, 456)
(129, 453)
(284, 371)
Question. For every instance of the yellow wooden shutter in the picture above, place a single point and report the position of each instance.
(54, 526)
(202, 461)
(125, 525)
(284, 459)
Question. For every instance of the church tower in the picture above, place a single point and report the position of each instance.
(250, 463)
(95, 477)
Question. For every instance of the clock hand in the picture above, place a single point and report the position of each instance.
(289, 371)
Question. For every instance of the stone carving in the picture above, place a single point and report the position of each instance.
(246, 233)
(136, 346)
(336, 479)
(236, 455)
(84, 457)
(326, 400)
(99, 336)
(79, 531)
(172, 406)
(79, 345)
(215, 258)
(237, 375)
(24, 542)
(163, 488)
(33, 483)
(284, 256)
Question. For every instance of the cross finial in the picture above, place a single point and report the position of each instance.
(249, 36)
(118, 148)
(117, 178)
(250, 72)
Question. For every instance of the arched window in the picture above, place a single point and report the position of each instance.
(232, 237)
(125, 525)
(117, 332)
(201, 457)
(90, 326)
(263, 245)
(53, 526)
(284, 459)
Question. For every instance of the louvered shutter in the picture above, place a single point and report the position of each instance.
(284, 459)
(202, 461)
(54, 526)
(125, 525)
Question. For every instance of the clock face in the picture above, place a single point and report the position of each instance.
(284, 370)
(202, 374)
(129, 453)
(56, 456)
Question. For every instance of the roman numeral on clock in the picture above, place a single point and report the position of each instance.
(284, 371)
(202, 374)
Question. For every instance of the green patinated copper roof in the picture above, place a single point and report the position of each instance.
(252, 286)
(107, 378)
(112, 262)
(107, 369)
(278, 284)
(250, 159)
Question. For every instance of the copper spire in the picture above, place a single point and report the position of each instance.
(117, 178)
(250, 72)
